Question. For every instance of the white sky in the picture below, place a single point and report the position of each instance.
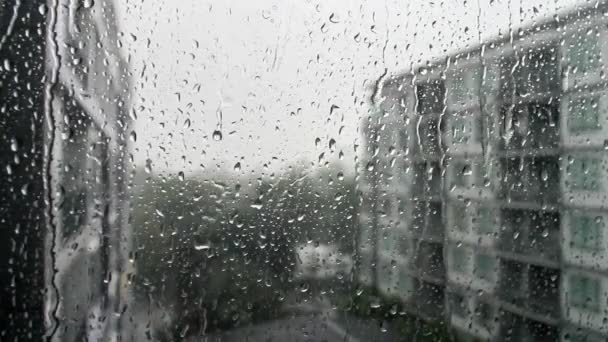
(260, 60)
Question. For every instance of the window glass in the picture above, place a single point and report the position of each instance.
(586, 231)
(584, 174)
(458, 305)
(583, 52)
(310, 170)
(460, 216)
(484, 266)
(584, 292)
(461, 132)
(461, 173)
(459, 259)
(484, 313)
(485, 220)
(584, 114)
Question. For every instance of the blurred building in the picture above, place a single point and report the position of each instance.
(65, 99)
(485, 185)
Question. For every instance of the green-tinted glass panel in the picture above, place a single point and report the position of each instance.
(458, 88)
(586, 232)
(584, 174)
(584, 292)
(485, 221)
(484, 266)
(459, 260)
(461, 172)
(583, 53)
(406, 282)
(482, 173)
(460, 132)
(583, 115)
(461, 221)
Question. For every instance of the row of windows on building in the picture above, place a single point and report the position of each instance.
(584, 292)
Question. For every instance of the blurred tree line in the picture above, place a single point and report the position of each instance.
(220, 253)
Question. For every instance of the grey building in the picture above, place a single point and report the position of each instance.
(65, 101)
(485, 190)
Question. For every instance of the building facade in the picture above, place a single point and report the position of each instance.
(484, 188)
(65, 90)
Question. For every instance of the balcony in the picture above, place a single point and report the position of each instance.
(430, 301)
(533, 234)
(428, 133)
(429, 260)
(431, 96)
(516, 328)
(534, 72)
(529, 126)
(427, 221)
(530, 179)
(530, 290)
(544, 290)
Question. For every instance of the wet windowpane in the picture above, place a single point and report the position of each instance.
(584, 174)
(586, 231)
(584, 115)
(583, 52)
(584, 293)
(271, 170)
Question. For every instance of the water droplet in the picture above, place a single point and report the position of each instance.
(202, 247)
(237, 167)
(181, 176)
(42, 9)
(375, 304)
(332, 109)
(257, 204)
(88, 3)
(217, 135)
(148, 167)
(544, 175)
(332, 144)
(133, 136)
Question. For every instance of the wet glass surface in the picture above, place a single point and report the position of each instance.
(303, 170)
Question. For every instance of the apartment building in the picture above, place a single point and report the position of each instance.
(485, 179)
(65, 98)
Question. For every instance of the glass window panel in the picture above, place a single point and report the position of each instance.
(584, 292)
(484, 266)
(584, 115)
(485, 220)
(584, 174)
(583, 52)
(586, 231)
(459, 259)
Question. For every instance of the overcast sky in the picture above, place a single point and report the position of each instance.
(275, 68)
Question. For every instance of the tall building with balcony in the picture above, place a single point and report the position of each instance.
(494, 163)
(64, 90)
